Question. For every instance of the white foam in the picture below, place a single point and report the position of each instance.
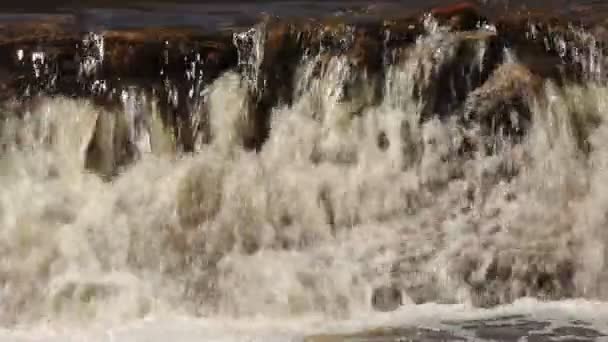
(430, 316)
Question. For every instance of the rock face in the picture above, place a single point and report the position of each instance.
(70, 62)
(386, 298)
(462, 59)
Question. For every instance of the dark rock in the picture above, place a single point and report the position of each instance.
(510, 277)
(509, 332)
(491, 329)
(175, 65)
(45, 28)
(394, 334)
(554, 48)
(282, 52)
(461, 16)
(502, 104)
(485, 321)
(383, 142)
(579, 322)
(456, 78)
(544, 337)
(401, 32)
(577, 332)
(386, 298)
(172, 65)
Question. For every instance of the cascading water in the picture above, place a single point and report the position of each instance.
(446, 171)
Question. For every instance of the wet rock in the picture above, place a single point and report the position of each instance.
(501, 104)
(394, 334)
(45, 28)
(285, 47)
(281, 52)
(555, 48)
(461, 16)
(580, 323)
(172, 65)
(578, 332)
(465, 77)
(509, 277)
(467, 62)
(499, 329)
(165, 53)
(175, 65)
(509, 332)
(401, 32)
(110, 148)
(386, 298)
(477, 323)
(383, 142)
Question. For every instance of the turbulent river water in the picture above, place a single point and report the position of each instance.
(332, 179)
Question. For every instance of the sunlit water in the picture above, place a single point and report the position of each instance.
(346, 195)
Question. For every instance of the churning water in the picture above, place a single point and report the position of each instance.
(449, 177)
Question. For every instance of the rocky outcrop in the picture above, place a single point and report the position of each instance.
(174, 66)
(386, 298)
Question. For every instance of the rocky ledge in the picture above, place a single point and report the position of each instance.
(51, 56)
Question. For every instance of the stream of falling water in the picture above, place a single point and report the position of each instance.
(347, 195)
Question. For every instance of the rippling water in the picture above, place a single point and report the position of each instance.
(297, 180)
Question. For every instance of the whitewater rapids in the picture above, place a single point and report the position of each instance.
(346, 195)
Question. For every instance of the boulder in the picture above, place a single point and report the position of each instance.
(386, 298)
(462, 16)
